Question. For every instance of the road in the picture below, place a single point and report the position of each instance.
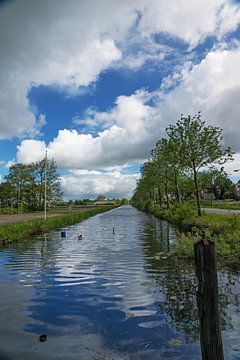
(221, 211)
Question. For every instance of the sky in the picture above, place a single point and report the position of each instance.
(96, 83)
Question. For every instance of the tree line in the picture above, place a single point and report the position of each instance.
(187, 163)
(24, 187)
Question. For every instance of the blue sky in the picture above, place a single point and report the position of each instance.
(97, 91)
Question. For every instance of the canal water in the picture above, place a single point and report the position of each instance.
(116, 294)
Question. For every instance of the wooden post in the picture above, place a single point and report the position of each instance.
(207, 299)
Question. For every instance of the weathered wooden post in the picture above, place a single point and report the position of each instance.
(207, 299)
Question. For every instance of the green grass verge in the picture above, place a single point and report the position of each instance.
(23, 230)
(226, 206)
(224, 230)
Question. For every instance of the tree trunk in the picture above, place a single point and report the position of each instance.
(160, 197)
(178, 196)
(211, 202)
(197, 192)
(166, 194)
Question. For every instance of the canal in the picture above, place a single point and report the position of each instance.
(117, 293)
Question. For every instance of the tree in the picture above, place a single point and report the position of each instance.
(6, 194)
(166, 156)
(215, 182)
(100, 198)
(53, 181)
(26, 184)
(199, 146)
(20, 179)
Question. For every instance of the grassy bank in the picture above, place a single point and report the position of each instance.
(224, 230)
(223, 205)
(19, 231)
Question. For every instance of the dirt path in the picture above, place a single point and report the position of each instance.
(14, 218)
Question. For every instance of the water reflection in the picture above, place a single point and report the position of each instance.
(120, 295)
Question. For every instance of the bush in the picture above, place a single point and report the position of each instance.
(149, 206)
(183, 212)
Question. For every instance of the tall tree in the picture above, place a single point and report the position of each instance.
(199, 146)
(39, 169)
(166, 156)
(20, 180)
(26, 184)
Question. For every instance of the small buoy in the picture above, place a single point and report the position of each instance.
(63, 234)
(43, 338)
(113, 231)
(80, 237)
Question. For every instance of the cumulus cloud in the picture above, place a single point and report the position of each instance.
(232, 168)
(68, 45)
(90, 184)
(191, 23)
(212, 86)
(129, 138)
(132, 126)
(50, 44)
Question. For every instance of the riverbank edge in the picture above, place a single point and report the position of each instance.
(22, 230)
(224, 230)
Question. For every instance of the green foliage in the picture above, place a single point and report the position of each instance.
(8, 210)
(181, 212)
(198, 145)
(24, 186)
(223, 229)
(149, 206)
(172, 173)
(184, 246)
(100, 198)
(224, 205)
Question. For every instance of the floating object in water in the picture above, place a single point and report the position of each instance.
(80, 237)
(113, 231)
(63, 234)
(43, 338)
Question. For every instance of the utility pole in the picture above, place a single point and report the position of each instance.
(45, 189)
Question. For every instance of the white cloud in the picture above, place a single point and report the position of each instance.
(90, 184)
(129, 138)
(68, 45)
(190, 23)
(212, 86)
(133, 126)
(50, 44)
(232, 168)
(10, 163)
(31, 151)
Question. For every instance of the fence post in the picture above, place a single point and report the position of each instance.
(207, 300)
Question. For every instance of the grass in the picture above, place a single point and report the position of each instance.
(23, 230)
(224, 230)
(223, 205)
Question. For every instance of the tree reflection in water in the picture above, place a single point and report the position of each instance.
(176, 279)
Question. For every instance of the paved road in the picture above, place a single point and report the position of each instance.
(221, 211)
